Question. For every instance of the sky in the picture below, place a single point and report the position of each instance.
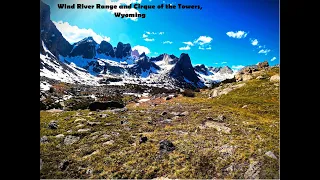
(232, 33)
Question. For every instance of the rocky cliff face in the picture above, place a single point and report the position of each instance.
(50, 35)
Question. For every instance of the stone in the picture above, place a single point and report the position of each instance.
(217, 126)
(221, 118)
(80, 120)
(89, 171)
(103, 115)
(164, 113)
(93, 123)
(175, 113)
(246, 77)
(260, 77)
(41, 163)
(59, 136)
(68, 140)
(108, 143)
(84, 130)
(263, 65)
(105, 105)
(166, 146)
(226, 150)
(79, 125)
(168, 98)
(53, 125)
(238, 77)
(64, 164)
(271, 155)
(253, 170)
(44, 139)
(186, 113)
(143, 139)
(275, 78)
(245, 106)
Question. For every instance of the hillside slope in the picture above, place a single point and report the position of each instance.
(233, 135)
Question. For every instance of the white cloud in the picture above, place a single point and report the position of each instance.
(201, 48)
(74, 34)
(224, 62)
(185, 48)
(260, 47)
(188, 43)
(160, 33)
(254, 42)
(264, 51)
(272, 59)
(141, 49)
(237, 67)
(238, 34)
(208, 48)
(167, 42)
(148, 32)
(147, 39)
(203, 40)
(124, 11)
(144, 35)
(155, 53)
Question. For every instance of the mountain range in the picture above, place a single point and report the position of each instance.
(88, 62)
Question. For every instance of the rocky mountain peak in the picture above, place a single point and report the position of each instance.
(85, 48)
(106, 48)
(123, 50)
(183, 70)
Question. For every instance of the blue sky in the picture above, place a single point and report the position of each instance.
(225, 32)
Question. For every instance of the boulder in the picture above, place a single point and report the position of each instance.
(166, 146)
(105, 105)
(275, 78)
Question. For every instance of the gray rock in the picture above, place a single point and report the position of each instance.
(271, 155)
(186, 113)
(68, 140)
(84, 130)
(64, 164)
(80, 120)
(59, 136)
(175, 113)
(166, 146)
(164, 113)
(108, 143)
(41, 163)
(44, 139)
(103, 115)
(221, 118)
(226, 150)
(218, 126)
(53, 125)
(89, 171)
(143, 139)
(253, 170)
(93, 123)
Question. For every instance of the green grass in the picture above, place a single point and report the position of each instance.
(254, 131)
